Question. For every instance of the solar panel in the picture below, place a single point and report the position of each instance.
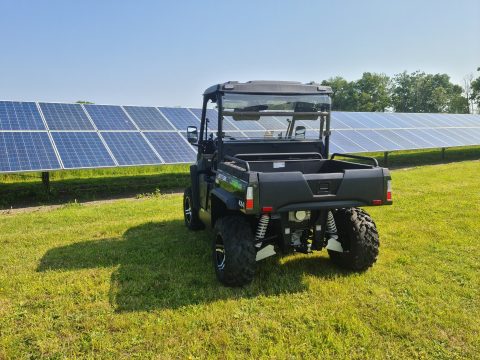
(148, 118)
(420, 141)
(272, 123)
(475, 132)
(436, 120)
(431, 138)
(343, 139)
(369, 143)
(65, 117)
(336, 123)
(402, 122)
(312, 134)
(473, 120)
(106, 135)
(464, 137)
(309, 124)
(355, 122)
(334, 148)
(377, 120)
(109, 117)
(181, 118)
(469, 135)
(212, 116)
(15, 115)
(410, 121)
(82, 150)
(394, 136)
(460, 120)
(245, 125)
(424, 121)
(130, 148)
(172, 147)
(378, 137)
(26, 151)
(444, 134)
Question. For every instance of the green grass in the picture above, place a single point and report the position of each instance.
(96, 184)
(127, 280)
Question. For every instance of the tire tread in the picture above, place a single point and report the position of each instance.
(355, 226)
(239, 250)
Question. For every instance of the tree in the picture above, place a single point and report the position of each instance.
(343, 94)
(475, 95)
(84, 102)
(429, 93)
(372, 92)
(467, 90)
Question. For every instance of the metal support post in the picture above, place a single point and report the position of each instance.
(46, 181)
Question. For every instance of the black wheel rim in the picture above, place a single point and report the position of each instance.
(187, 208)
(219, 253)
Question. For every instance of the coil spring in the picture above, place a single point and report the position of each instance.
(262, 227)
(331, 227)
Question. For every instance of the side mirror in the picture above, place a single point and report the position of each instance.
(300, 132)
(192, 134)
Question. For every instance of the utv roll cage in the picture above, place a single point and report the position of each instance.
(215, 95)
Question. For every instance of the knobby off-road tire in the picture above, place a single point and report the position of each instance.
(234, 253)
(189, 214)
(358, 235)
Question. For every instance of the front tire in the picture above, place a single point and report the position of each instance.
(234, 253)
(358, 235)
(190, 215)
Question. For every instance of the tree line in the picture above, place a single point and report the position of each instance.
(406, 92)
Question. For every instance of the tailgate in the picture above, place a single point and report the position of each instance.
(358, 186)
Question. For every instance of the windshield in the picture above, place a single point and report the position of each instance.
(250, 116)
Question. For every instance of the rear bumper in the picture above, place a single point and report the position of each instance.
(319, 205)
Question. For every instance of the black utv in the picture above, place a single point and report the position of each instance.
(264, 181)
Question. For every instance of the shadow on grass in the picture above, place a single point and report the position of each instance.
(19, 194)
(164, 266)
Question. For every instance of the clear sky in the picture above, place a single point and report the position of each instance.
(168, 52)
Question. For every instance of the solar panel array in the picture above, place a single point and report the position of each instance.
(53, 136)
(357, 132)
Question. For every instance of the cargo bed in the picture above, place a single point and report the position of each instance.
(312, 183)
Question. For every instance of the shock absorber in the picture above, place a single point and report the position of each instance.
(332, 240)
(261, 229)
(331, 227)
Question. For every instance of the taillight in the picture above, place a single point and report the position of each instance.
(389, 190)
(249, 199)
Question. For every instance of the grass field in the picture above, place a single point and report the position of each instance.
(18, 190)
(127, 280)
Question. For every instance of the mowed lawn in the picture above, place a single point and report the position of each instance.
(127, 280)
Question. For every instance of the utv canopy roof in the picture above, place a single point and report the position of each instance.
(267, 87)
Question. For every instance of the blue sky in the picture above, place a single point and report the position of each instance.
(168, 52)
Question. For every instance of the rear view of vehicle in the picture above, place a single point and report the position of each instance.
(264, 183)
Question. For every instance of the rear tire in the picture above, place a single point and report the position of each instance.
(190, 215)
(234, 252)
(358, 235)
